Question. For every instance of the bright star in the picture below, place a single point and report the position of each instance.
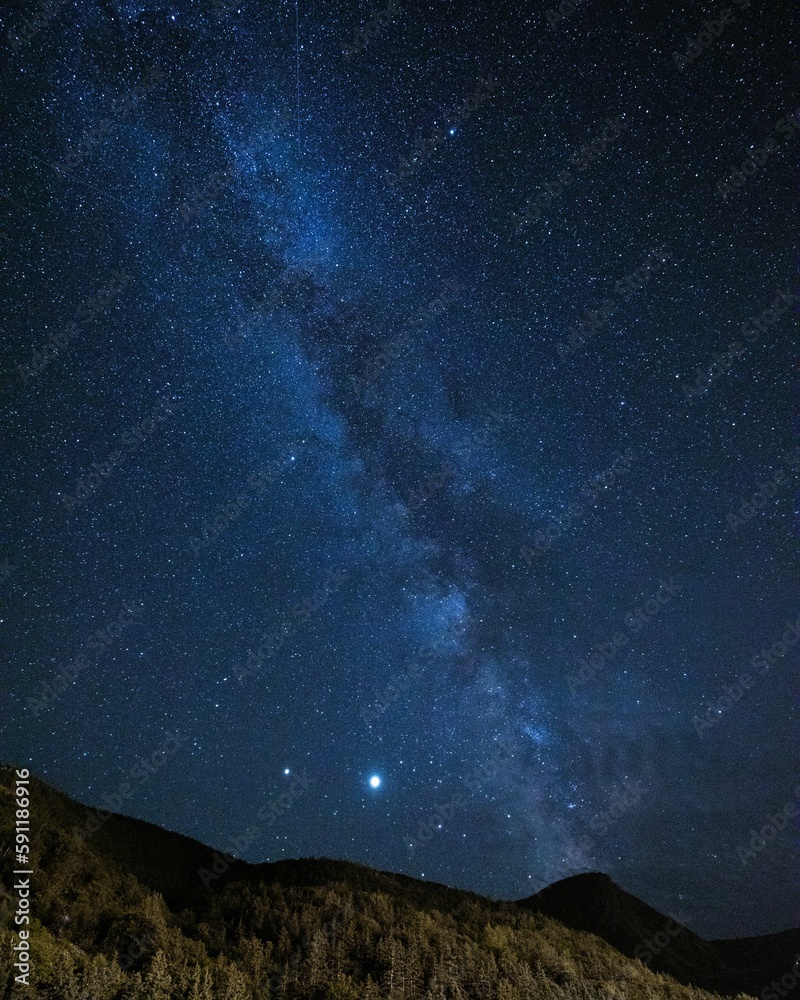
(374, 781)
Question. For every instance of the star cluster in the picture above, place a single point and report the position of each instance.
(399, 414)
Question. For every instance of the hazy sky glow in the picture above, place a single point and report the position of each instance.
(428, 471)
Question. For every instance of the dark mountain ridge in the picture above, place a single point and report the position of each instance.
(593, 902)
(109, 886)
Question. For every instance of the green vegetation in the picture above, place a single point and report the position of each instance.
(123, 915)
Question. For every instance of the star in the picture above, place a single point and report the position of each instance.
(400, 447)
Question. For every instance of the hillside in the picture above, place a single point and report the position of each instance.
(124, 913)
(592, 902)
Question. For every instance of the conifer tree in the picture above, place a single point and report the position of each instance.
(157, 981)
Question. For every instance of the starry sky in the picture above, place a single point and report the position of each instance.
(398, 414)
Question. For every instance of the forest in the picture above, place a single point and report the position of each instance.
(121, 914)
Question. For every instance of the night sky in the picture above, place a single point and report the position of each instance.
(404, 422)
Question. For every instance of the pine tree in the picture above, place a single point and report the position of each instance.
(317, 965)
(234, 985)
(157, 981)
(506, 991)
(254, 961)
(343, 988)
(200, 988)
(436, 988)
(370, 989)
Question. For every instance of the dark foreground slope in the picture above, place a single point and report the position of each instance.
(132, 911)
(773, 959)
(592, 902)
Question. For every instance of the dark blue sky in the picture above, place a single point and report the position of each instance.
(307, 367)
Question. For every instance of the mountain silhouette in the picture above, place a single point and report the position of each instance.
(593, 902)
(125, 909)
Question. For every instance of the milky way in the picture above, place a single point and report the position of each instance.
(398, 407)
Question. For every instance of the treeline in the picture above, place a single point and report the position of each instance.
(101, 935)
(122, 914)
